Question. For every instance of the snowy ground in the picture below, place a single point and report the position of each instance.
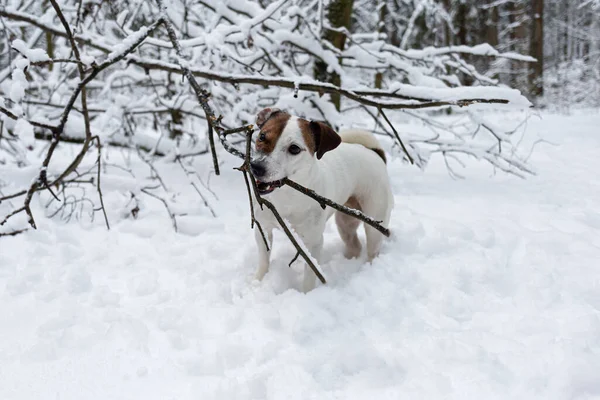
(490, 289)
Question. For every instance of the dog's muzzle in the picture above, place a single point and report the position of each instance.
(259, 170)
(268, 187)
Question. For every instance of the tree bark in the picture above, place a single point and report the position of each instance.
(381, 28)
(536, 70)
(447, 33)
(518, 38)
(492, 27)
(339, 15)
(461, 23)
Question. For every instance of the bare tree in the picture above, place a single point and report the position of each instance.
(536, 46)
(335, 28)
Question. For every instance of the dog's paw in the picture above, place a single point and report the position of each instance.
(352, 252)
(260, 273)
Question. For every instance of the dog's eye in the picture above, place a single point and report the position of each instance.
(293, 149)
(262, 136)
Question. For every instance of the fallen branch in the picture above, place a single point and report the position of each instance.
(323, 201)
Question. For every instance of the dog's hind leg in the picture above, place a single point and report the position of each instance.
(347, 227)
(379, 209)
(374, 239)
(264, 253)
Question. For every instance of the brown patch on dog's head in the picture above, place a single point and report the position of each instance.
(307, 135)
(272, 122)
(319, 137)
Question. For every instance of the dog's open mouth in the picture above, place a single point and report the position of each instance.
(268, 187)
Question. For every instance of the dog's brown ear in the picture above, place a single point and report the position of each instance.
(264, 115)
(325, 138)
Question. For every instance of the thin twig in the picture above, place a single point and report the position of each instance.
(408, 155)
(13, 233)
(166, 204)
(15, 117)
(245, 168)
(196, 188)
(213, 152)
(98, 186)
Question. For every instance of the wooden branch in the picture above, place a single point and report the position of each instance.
(353, 94)
(13, 116)
(213, 151)
(30, 19)
(319, 87)
(289, 234)
(112, 143)
(245, 168)
(323, 201)
(237, 130)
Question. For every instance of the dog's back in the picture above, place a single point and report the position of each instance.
(364, 138)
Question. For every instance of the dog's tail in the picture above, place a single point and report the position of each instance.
(365, 138)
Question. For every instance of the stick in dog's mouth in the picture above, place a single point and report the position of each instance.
(268, 187)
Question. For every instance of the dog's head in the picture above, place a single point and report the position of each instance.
(286, 145)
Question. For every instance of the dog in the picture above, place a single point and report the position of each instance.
(348, 168)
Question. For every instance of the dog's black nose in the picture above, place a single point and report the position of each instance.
(257, 169)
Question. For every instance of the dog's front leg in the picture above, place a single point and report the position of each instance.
(264, 253)
(315, 246)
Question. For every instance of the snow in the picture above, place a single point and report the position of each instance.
(126, 43)
(483, 49)
(24, 130)
(488, 290)
(18, 85)
(33, 55)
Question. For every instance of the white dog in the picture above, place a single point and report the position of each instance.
(349, 170)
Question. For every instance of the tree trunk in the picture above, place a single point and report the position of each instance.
(461, 23)
(447, 33)
(339, 14)
(381, 28)
(518, 37)
(595, 35)
(492, 27)
(536, 70)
